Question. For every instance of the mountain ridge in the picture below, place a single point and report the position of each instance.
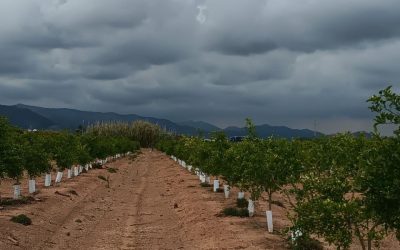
(67, 118)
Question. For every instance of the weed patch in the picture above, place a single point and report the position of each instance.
(238, 212)
(241, 203)
(22, 219)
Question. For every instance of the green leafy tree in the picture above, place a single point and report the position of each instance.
(387, 105)
(11, 158)
(65, 150)
(331, 201)
(218, 146)
(281, 165)
(37, 158)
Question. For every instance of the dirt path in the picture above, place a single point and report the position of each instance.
(152, 203)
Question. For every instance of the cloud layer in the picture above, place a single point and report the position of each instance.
(281, 62)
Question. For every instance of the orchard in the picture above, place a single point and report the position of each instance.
(341, 188)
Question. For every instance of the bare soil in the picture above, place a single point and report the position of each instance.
(152, 203)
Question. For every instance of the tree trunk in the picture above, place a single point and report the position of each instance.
(360, 238)
(270, 201)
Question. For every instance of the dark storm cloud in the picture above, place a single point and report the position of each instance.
(255, 26)
(282, 62)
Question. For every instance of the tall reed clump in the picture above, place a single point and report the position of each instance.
(146, 133)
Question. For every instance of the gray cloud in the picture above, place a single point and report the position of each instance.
(279, 61)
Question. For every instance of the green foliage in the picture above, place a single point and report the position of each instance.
(36, 156)
(65, 150)
(251, 129)
(339, 195)
(387, 105)
(218, 147)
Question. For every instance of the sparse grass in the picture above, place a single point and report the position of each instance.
(304, 243)
(204, 184)
(105, 179)
(233, 211)
(112, 170)
(22, 219)
(102, 178)
(20, 201)
(241, 203)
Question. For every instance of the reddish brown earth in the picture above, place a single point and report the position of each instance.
(152, 203)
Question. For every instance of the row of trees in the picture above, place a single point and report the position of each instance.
(339, 188)
(36, 153)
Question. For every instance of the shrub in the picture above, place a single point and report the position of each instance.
(22, 219)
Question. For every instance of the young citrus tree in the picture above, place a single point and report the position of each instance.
(331, 200)
(37, 158)
(11, 154)
(281, 165)
(4, 145)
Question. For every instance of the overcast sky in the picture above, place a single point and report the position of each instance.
(281, 62)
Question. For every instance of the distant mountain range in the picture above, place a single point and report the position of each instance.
(32, 117)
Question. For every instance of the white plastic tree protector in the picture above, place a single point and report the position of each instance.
(270, 224)
(76, 171)
(59, 176)
(32, 186)
(250, 207)
(90, 166)
(80, 168)
(184, 164)
(207, 179)
(69, 173)
(226, 191)
(190, 168)
(47, 180)
(241, 195)
(17, 191)
(216, 185)
(87, 167)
